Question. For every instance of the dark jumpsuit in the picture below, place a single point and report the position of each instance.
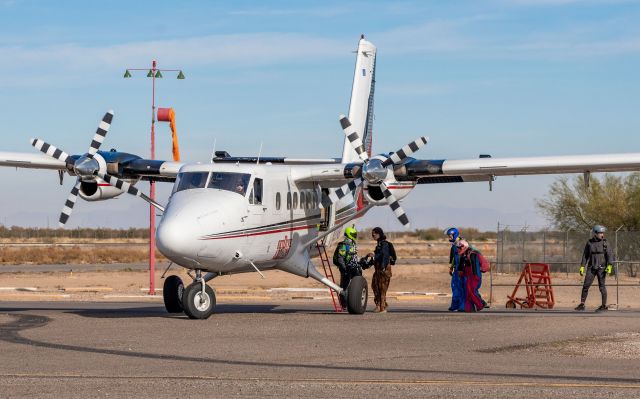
(381, 275)
(596, 256)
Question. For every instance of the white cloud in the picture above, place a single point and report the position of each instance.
(543, 3)
(234, 49)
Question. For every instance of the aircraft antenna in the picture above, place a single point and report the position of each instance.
(259, 153)
(213, 153)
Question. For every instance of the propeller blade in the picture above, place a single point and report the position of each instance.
(395, 205)
(68, 205)
(354, 138)
(344, 190)
(405, 151)
(50, 150)
(101, 132)
(129, 189)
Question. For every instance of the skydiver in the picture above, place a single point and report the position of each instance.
(346, 258)
(457, 287)
(383, 258)
(598, 261)
(469, 268)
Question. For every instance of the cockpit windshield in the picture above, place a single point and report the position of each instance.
(236, 182)
(189, 180)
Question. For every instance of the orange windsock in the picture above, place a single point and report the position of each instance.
(168, 115)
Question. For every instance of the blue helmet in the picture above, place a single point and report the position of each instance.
(452, 231)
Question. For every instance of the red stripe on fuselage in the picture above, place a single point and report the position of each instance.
(262, 233)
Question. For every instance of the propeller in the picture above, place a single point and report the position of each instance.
(87, 167)
(374, 171)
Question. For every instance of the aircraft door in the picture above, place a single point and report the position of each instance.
(257, 204)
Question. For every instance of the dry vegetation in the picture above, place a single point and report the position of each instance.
(73, 255)
(427, 244)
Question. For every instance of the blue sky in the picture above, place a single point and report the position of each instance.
(504, 77)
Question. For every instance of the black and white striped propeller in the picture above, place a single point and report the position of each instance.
(87, 168)
(374, 171)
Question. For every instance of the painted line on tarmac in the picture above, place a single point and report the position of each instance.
(332, 381)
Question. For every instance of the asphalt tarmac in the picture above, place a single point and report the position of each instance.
(294, 349)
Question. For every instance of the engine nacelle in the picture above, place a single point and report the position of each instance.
(99, 190)
(374, 195)
(373, 172)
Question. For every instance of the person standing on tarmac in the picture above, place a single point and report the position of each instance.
(457, 288)
(382, 273)
(469, 271)
(346, 258)
(597, 260)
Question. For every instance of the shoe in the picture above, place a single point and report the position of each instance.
(377, 310)
(580, 307)
(602, 308)
(383, 311)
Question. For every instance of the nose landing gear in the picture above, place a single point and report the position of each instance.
(172, 292)
(197, 300)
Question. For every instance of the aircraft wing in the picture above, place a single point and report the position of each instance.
(485, 169)
(327, 175)
(30, 160)
(118, 164)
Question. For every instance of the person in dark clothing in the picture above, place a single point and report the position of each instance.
(382, 273)
(597, 261)
(469, 271)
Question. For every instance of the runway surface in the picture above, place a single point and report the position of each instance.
(63, 349)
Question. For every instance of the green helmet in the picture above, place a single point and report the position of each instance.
(351, 232)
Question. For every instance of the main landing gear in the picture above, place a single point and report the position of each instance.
(357, 295)
(197, 300)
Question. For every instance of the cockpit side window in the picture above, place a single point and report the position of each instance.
(235, 182)
(256, 193)
(189, 180)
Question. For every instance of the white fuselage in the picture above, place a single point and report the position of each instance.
(218, 220)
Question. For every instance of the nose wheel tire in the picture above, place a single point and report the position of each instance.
(357, 295)
(172, 292)
(198, 304)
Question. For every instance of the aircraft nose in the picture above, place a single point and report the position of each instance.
(172, 238)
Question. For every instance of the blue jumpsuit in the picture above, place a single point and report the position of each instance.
(457, 282)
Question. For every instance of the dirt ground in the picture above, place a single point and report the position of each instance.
(430, 283)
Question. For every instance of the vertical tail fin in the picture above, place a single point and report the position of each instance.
(361, 105)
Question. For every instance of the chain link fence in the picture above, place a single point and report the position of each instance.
(562, 250)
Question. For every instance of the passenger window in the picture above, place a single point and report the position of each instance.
(303, 202)
(277, 201)
(315, 199)
(310, 204)
(256, 193)
(295, 200)
(288, 200)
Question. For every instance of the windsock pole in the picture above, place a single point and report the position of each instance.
(153, 73)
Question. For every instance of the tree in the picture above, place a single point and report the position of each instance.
(611, 201)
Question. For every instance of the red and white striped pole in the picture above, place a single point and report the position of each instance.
(153, 73)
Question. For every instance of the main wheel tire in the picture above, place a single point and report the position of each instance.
(357, 295)
(172, 292)
(196, 305)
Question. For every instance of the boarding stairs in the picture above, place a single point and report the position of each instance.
(537, 281)
(328, 272)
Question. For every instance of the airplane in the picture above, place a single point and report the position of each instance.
(250, 214)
